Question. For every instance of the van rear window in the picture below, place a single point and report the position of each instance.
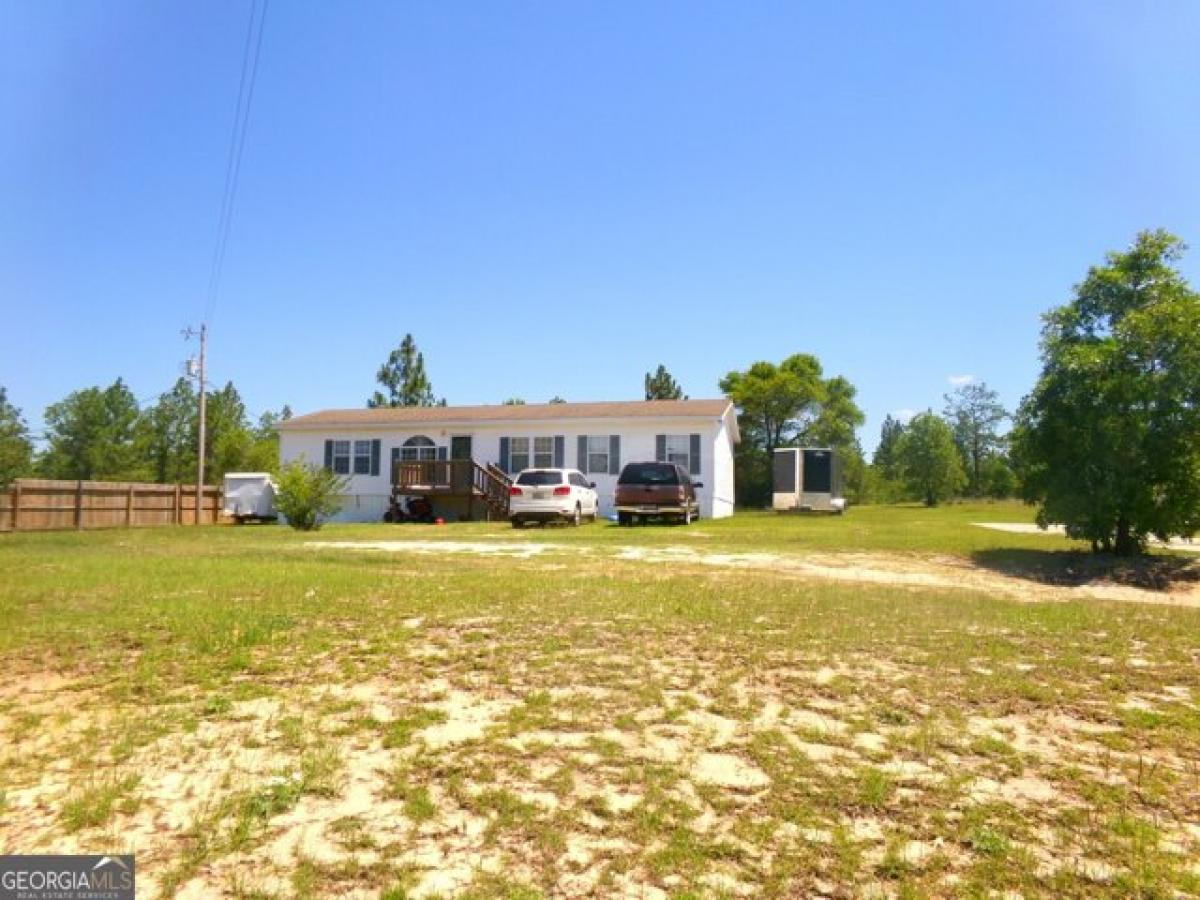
(648, 473)
(535, 477)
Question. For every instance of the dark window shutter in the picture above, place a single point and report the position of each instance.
(694, 455)
(660, 448)
(375, 451)
(560, 451)
(581, 445)
(503, 454)
(441, 454)
(614, 454)
(329, 455)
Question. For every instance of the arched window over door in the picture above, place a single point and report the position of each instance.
(418, 447)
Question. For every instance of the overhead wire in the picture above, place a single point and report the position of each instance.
(237, 143)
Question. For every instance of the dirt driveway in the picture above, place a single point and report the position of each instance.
(877, 568)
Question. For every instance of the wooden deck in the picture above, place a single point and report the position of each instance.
(467, 478)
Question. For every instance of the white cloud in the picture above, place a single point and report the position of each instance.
(904, 415)
(960, 380)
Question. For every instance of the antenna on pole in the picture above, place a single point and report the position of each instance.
(195, 369)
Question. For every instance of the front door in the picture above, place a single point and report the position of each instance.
(460, 448)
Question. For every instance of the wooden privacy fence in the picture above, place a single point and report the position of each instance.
(36, 504)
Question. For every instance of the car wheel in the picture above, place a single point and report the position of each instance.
(517, 523)
(623, 519)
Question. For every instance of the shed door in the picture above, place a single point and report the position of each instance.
(785, 472)
(818, 471)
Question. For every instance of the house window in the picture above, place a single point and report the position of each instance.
(543, 452)
(362, 457)
(417, 448)
(341, 457)
(518, 454)
(597, 453)
(679, 450)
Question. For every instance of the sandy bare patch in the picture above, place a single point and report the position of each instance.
(729, 771)
(870, 742)
(1019, 791)
(518, 550)
(467, 719)
(717, 731)
(893, 570)
(1023, 528)
(957, 573)
(1191, 546)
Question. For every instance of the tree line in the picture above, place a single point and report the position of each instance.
(963, 452)
(1107, 442)
(103, 434)
(793, 403)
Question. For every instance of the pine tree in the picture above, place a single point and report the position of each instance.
(166, 435)
(885, 461)
(404, 380)
(975, 413)
(662, 386)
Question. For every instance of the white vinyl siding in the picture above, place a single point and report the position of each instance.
(574, 441)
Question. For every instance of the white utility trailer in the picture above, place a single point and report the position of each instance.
(250, 497)
(807, 479)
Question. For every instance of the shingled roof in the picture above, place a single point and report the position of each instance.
(528, 412)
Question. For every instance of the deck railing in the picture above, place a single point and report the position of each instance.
(431, 473)
(463, 477)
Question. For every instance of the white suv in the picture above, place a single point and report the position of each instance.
(545, 495)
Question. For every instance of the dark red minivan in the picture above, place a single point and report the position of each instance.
(656, 490)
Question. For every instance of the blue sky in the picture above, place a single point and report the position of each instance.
(554, 198)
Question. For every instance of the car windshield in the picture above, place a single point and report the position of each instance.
(648, 473)
(538, 476)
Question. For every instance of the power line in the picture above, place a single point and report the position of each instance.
(237, 144)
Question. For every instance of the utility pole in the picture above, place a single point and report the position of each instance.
(199, 374)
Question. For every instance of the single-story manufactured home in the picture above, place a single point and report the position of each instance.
(381, 448)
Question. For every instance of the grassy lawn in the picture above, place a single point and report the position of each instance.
(856, 706)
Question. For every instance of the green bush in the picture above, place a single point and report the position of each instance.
(308, 494)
